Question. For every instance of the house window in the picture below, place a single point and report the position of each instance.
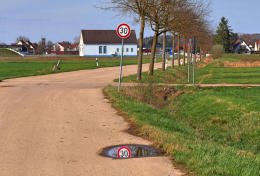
(132, 50)
(105, 49)
(117, 50)
(127, 50)
(100, 50)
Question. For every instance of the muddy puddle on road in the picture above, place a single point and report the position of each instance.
(130, 151)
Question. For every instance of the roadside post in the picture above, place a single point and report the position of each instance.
(97, 62)
(189, 58)
(123, 31)
(57, 66)
(194, 60)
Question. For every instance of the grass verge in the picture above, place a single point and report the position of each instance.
(8, 53)
(213, 73)
(32, 66)
(210, 131)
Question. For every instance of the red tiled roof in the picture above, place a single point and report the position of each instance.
(74, 45)
(62, 44)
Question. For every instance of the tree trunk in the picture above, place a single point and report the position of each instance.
(200, 56)
(155, 37)
(173, 49)
(164, 51)
(179, 49)
(140, 52)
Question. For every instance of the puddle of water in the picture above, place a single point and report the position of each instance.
(130, 151)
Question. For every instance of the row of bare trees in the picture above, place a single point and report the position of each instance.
(186, 18)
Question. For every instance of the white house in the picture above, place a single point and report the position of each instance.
(60, 46)
(95, 43)
(257, 46)
(241, 47)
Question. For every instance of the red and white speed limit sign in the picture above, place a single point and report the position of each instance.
(124, 152)
(123, 30)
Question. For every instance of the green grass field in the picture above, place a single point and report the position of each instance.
(31, 66)
(209, 131)
(8, 53)
(213, 73)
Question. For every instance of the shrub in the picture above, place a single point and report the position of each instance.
(217, 51)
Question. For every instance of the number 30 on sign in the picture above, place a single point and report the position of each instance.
(123, 30)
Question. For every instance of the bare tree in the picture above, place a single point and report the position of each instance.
(165, 23)
(190, 19)
(158, 17)
(22, 38)
(76, 39)
(166, 15)
(49, 46)
(139, 8)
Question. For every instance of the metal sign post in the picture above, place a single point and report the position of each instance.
(123, 31)
(189, 59)
(121, 65)
(194, 60)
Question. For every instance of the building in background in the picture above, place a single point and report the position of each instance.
(65, 48)
(96, 43)
(26, 47)
(240, 47)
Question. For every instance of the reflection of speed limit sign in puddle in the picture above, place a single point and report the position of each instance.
(128, 151)
(124, 152)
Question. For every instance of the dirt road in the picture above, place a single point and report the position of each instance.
(55, 125)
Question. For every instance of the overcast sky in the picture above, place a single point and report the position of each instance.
(60, 20)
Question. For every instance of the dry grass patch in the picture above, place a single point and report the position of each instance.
(155, 96)
(205, 62)
(241, 64)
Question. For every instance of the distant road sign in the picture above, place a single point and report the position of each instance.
(123, 31)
